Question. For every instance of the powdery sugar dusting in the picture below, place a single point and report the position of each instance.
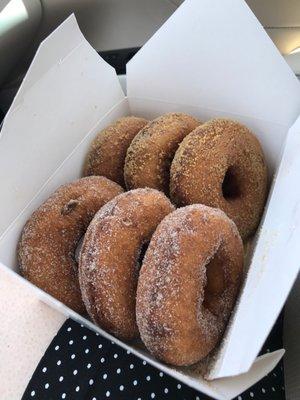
(170, 278)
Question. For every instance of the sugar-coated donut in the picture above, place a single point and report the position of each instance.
(46, 250)
(151, 152)
(110, 257)
(188, 284)
(221, 164)
(107, 153)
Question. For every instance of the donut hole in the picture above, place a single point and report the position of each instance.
(230, 185)
(142, 252)
(215, 283)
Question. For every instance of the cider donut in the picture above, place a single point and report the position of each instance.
(221, 164)
(107, 153)
(188, 284)
(151, 152)
(110, 257)
(47, 246)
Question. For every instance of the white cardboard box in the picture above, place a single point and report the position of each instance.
(211, 58)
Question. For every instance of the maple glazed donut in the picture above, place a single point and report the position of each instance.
(110, 257)
(48, 243)
(107, 153)
(151, 152)
(221, 164)
(188, 284)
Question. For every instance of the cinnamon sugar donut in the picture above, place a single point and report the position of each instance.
(107, 153)
(110, 257)
(221, 164)
(188, 284)
(151, 152)
(46, 250)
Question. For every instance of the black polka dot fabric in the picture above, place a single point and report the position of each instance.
(80, 364)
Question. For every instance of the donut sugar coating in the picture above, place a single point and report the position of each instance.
(107, 153)
(48, 243)
(110, 257)
(151, 152)
(188, 284)
(221, 164)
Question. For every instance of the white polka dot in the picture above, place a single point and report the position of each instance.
(87, 351)
(131, 366)
(144, 362)
(82, 326)
(75, 372)
(102, 359)
(148, 378)
(47, 385)
(63, 396)
(58, 362)
(107, 394)
(77, 388)
(118, 370)
(268, 350)
(161, 374)
(166, 390)
(273, 389)
(94, 398)
(251, 394)
(104, 376)
(84, 337)
(138, 398)
(263, 390)
(69, 329)
(89, 366)
(32, 394)
(135, 382)
(61, 378)
(178, 386)
(97, 334)
(99, 346)
(197, 398)
(121, 388)
(91, 381)
(56, 348)
(128, 352)
(44, 369)
(274, 374)
(73, 356)
(240, 398)
(152, 395)
(115, 355)
(283, 388)
(112, 342)
(71, 342)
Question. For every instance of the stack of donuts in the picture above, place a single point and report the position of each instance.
(137, 265)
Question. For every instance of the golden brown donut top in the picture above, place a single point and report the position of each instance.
(221, 164)
(151, 152)
(188, 283)
(49, 239)
(110, 257)
(107, 153)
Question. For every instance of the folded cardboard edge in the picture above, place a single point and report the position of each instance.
(65, 73)
(217, 389)
(279, 237)
(219, 56)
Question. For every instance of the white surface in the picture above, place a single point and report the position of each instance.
(236, 68)
(92, 86)
(26, 330)
(62, 108)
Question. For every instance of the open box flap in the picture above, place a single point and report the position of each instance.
(215, 54)
(66, 76)
(273, 270)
